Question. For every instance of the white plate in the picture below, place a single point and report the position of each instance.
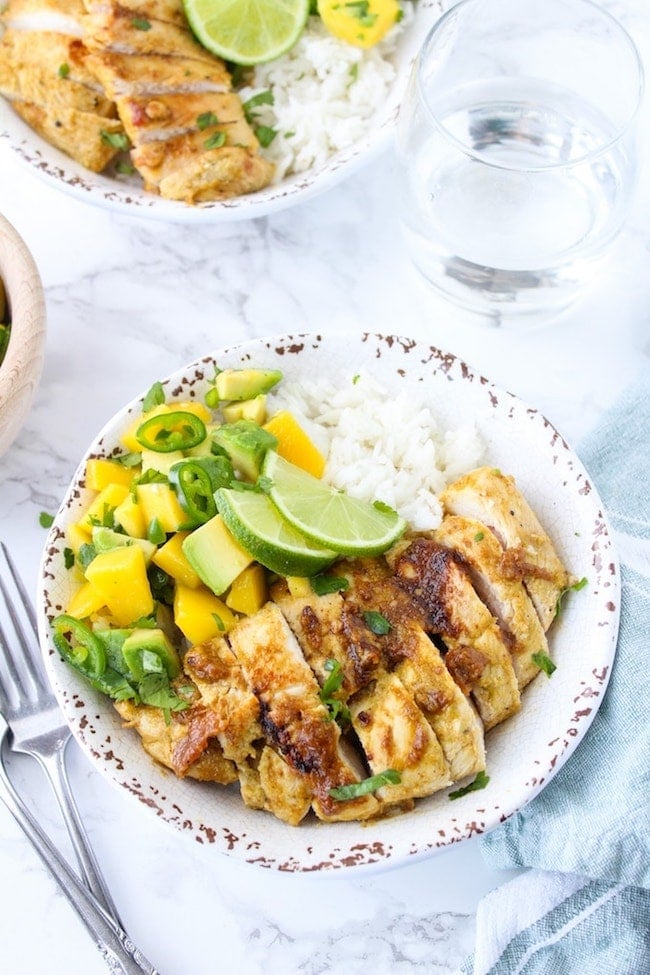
(522, 754)
(124, 195)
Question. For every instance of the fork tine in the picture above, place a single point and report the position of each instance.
(20, 586)
(28, 658)
(14, 676)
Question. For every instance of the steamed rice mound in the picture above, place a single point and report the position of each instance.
(382, 446)
(326, 93)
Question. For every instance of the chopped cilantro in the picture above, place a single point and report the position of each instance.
(576, 587)
(206, 119)
(544, 662)
(155, 533)
(215, 141)
(45, 520)
(322, 585)
(154, 397)
(356, 789)
(479, 782)
(265, 135)
(68, 558)
(141, 23)
(64, 70)
(116, 140)
(377, 623)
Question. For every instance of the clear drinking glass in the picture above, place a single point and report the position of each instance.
(516, 150)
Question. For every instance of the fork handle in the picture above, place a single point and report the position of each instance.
(55, 768)
(118, 951)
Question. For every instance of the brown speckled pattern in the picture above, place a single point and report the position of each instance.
(125, 194)
(523, 753)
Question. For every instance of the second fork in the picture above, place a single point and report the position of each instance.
(36, 722)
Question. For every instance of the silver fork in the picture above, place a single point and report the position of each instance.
(36, 723)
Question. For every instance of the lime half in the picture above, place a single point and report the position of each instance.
(262, 531)
(247, 31)
(327, 515)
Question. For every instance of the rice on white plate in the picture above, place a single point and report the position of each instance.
(325, 94)
(381, 446)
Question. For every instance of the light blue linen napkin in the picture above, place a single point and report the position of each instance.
(584, 906)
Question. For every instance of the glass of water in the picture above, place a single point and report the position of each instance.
(516, 150)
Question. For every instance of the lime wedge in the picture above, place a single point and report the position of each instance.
(327, 515)
(262, 531)
(247, 31)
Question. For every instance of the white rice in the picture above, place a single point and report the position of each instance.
(381, 446)
(326, 93)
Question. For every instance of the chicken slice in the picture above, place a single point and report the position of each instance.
(492, 498)
(418, 664)
(170, 11)
(476, 656)
(264, 783)
(287, 794)
(161, 740)
(394, 734)
(31, 64)
(81, 135)
(111, 27)
(506, 598)
(327, 630)
(124, 75)
(166, 117)
(294, 719)
(60, 16)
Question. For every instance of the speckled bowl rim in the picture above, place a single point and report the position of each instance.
(122, 196)
(523, 754)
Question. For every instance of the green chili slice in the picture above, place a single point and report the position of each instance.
(87, 652)
(195, 482)
(166, 432)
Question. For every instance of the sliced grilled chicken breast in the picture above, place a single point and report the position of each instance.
(112, 27)
(326, 630)
(395, 735)
(418, 664)
(264, 782)
(125, 75)
(493, 498)
(294, 719)
(477, 656)
(164, 741)
(59, 16)
(506, 598)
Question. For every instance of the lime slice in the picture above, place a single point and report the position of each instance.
(258, 528)
(327, 515)
(247, 31)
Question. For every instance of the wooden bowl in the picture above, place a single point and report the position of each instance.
(22, 365)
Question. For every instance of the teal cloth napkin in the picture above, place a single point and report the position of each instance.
(584, 904)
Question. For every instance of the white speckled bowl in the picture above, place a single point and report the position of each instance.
(21, 368)
(522, 754)
(125, 195)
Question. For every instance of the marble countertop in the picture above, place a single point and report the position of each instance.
(130, 301)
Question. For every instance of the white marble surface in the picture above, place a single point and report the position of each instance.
(130, 301)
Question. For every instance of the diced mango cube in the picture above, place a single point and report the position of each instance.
(361, 26)
(104, 504)
(195, 407)
(102, 472)
(249, 591)
(200, 615)
(130, 516)
(171, 558)
(299, 587)
(120, 576)
(158, 500)
(294, 444)
(85, 601)
(78, 535)
(128, 437)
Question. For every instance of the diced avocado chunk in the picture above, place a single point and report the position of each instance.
(246, 444)
(105, 539)
(216, 557)
(247, 409)
(147, 651)
(240, 384)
